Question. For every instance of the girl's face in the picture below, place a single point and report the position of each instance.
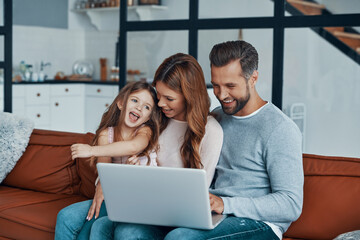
(138, 108)
(172, 103)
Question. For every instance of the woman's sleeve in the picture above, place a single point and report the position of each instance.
(144, 159)
(210, 147)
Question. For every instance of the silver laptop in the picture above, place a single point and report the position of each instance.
(162, 196)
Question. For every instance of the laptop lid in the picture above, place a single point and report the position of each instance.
(163, 196)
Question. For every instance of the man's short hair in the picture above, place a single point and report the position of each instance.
(226, 52)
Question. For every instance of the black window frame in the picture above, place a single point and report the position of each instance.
(6, 31)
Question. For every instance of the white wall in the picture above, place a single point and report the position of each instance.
(327, 81)
(60, 47)
(341, 7)
(235, 8)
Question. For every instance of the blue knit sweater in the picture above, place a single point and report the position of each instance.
(260, 173)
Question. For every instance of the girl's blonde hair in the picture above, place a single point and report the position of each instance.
(183, 74)
(113, 117)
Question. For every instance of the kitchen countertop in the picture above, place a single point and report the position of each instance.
(67, 82)
(208, 85)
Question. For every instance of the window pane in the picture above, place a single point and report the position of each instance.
(2, 48)
(261, 39)
(1, 89)
(321, 7)
(147, 50)
(235, 8)
(1, 13)
(321, 92)
(145, 10)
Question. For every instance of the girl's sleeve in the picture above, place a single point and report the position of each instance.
(210, 147)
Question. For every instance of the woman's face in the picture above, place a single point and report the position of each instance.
(172, 103)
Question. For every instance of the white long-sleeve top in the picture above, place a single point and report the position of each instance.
(172, 138)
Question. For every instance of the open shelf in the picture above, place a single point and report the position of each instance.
(110, 14)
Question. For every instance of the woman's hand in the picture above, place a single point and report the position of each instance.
(133, 160)
(81, 151)
(216, 204)
(96, 204)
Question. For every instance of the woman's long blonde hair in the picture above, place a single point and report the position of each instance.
(183, 74)
(113, 117)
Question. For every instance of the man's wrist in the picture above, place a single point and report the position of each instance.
(224, 200)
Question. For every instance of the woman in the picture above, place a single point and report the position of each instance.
(186, 128)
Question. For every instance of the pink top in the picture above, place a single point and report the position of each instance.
(122, 160)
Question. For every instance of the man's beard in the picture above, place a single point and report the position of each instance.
(240, 104)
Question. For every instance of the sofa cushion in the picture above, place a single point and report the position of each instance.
(26, 214)
(331, 198)
(46, 165)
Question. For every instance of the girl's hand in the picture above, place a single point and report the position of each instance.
(81, 151)
(96, 204)
(133, 160)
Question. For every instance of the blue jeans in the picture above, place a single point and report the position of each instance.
(71, 221)
(105, 229)
(230, 228)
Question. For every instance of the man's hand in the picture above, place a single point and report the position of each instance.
(80, 151)
(96, 204)
(216, 204)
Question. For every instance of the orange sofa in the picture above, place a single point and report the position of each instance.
(45, 180)
(331, 198)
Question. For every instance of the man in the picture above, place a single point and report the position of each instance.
(259, 178)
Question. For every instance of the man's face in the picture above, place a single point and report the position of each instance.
(230, 87)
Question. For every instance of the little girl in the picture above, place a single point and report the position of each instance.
(132, 121)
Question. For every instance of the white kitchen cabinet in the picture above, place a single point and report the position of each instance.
(18, 100)
(37, 95)
(67, 113)
(98, 99)
(102, 91)
(37, 100)
(63, 107)
(40, 115)
(67, 107)
(95, 107)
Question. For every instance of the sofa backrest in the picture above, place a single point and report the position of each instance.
(46, 165)
(331, 198)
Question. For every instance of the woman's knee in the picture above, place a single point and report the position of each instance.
(128, 231)
(138, 231)
(102, 228)
(182, 234)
